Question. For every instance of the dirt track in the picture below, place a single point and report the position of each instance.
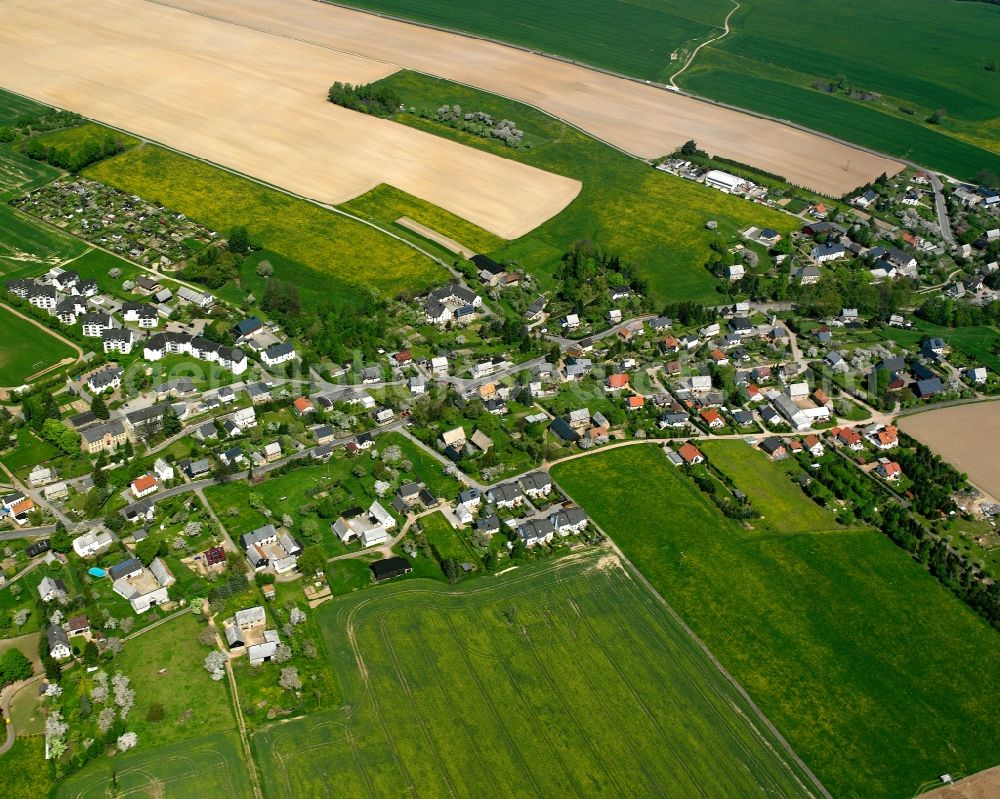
(255, 102)
(640, 119)
(967, 436)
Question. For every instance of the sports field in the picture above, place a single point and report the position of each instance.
(935, 58)
(869, 667)
(340, 254)
(566, 679)
(27, 243)
(648, 217)
(27, 349)
(198, 768)
(769, 487)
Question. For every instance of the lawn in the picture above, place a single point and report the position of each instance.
(30, 450)
(452, 692)
(869, 667)
(937, 59)
(27, 245)
(338, 255)
(195, 704)
(648, 217)
(385, 204)
(978, 342)
(619, 35)
(24, 773)
(445, 539)
(19, 174)
(768, 485)
(212, 766)
(27, 349)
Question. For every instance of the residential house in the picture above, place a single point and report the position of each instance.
(976, 374)
(58, 641)
(849, 437)
(303, 406)
(536, 531)
(144, 486)
(92, 543)
(265, 547)
(568, 521)
(277, 354)
(140, 313)
(814, 446)
(711, 417)
(505, 495)
(78, 626)
(773, 447)
(889, 470)
(163, 470)
(142, 587)
(827, 251)
(52, 588)
(104, 437)
(536, 484)
(119, 339)
(690, 454)
(107, 379)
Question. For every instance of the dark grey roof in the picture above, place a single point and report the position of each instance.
(123, 568)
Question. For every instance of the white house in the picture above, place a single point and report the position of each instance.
(58, 641)
(164, 471)
(278, 354)
(92, 543)
(142, 587)
(244, 418)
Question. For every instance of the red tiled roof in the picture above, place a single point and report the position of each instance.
(143, 483)
(302, 404)
(618, 380)
(636, 401)
(689, 452)
(404, 356)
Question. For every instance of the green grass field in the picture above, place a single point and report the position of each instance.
(212, 766)
(385, 204)
(195, 704)
(649, 217)
(936, 57)
(26, 349)
(19, 174)
(24, 774)
(30, 450)
(13, 105)
(445, 539)
(634, 38)
(979, 342)
(29, 245)
(870, 668)
(511, 687)
(337, 254)
(768, 485)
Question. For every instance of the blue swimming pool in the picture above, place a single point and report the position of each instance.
(93, 571)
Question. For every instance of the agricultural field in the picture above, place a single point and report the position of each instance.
(820, 629)
(19, 174)
(29, 245)
(937, 60)
(450, 691)
(338, 255)
(27, 349)
(189, 769)
(967, 436)
(631, 38)
(649, 217)
(769, 487)
(13, 105)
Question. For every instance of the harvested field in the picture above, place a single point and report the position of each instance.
(643, 120)
(967, 436)
(984, 785)
(256, 103)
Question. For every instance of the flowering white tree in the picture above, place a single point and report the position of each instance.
(55, 732)
(289, 679)
(215, 664)
(381, 488)
(283, 653)
(21, 617)
(297, 616)
(113, 645)
(127, 741)
(99, 693)
(124, 693)
(111, 623)
(192, 528)
(53, 690)
(126, 625)
(56, 617)
(105, 719)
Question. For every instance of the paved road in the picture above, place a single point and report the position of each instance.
(942, 209)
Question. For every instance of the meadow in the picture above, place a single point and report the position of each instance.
(195, 705)
(769, 487)
(935, 58)
(510, 689)
(27, 349)
(978, 342)
(646, 216)
(191, 769)
(338, 255)
(869, 667)
(24, 773)
(445, 539)
(619, 35)
(26, 244)
(71, 143)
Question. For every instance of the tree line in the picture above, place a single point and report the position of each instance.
(367, 98)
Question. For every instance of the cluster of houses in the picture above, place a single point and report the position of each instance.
(451, 303)
(267, 547)
(246, 631)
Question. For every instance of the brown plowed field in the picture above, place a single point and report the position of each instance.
(640, 119)
(255, 102)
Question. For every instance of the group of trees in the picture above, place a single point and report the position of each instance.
(14, 666)
(587, 274)
(933, 479)
(75, 158)
(366, 98)
(479, 123)
(947, 312)
(873, 506)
